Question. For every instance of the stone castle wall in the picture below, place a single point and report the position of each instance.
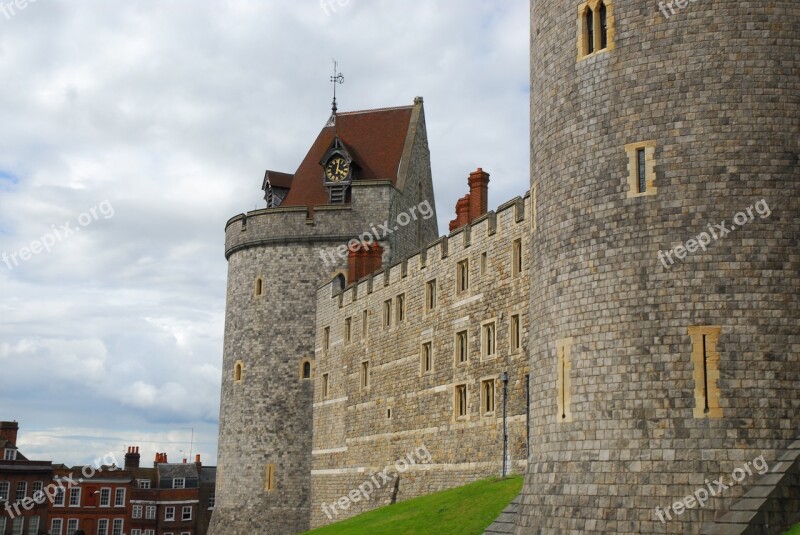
(355, 436)
(715, 88)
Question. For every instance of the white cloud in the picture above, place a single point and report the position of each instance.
(171, 111)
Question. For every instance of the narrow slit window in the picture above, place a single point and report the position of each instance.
(364, 323)
(460, 401)
(488, 338)
(326, 339)
(259, 286)
(306, 370)
(430, 295)
(462, 347)
(641, 169)
(563, 383)
(238, 372)
(462, 277)
(401, 308)
(487, 395)
(484, 263)
(269, 478)
(705, 359)
(589, 30)
(517, 257)
(325, 386)
(387, 313)
(516, 333)
(426, 357)
(603, 26)
(348, 329)
(365, 375)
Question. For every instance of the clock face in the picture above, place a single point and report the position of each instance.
(337, 169)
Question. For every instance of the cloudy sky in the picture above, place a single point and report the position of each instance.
(131, 131)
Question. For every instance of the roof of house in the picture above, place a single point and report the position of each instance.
(375, 139)
(177, 470)
(277, 179)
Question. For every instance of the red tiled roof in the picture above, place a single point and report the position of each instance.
(374, 138)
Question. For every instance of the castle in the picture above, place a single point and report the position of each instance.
(624, 333)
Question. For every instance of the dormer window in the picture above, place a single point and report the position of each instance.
(10, 454)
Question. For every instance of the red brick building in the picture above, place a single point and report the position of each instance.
(23, 505)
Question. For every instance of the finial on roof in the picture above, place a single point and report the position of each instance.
(337, 78)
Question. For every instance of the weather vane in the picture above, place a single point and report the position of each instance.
(337, 78)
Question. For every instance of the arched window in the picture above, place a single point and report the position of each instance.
(306, 370)
(259, 286)
(603, 25)
(589, 22)
(238, 371)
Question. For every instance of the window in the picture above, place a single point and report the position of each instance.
(462, 277)
(75, 497)
(33, 525)
(149, 532)
(137, 511)
(238, 372)
(401, 308)
(595, 28)
(365, 375)
(179, 483)
(269, 479)
(326, 339)
(105, 497)
(10, 454)
(364, 323)
(426, 358)
(169, 514)
(306, 370)
(487, 397)
(484, 262)
(516, 333)
(136, 532)
(388, 414)
(143, 483)
(259, 287)
(348, 333)
(563, 383)
(516, 257)
(705, 359)
(641, 168)
(2, 524)
(18, 527)
(430, 295)
(119, 498)
(387, 313)
(488, 339)
(22, 490)
(186, 513)
(460, 401)
(325, 386)
(462, 347)
(212, 499)
(56, 525)
(4, 488)
(72, 526)
(58, 500)
(37, 486)
(150, 512)
(102, 526)
(118, 524)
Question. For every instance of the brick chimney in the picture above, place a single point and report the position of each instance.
(8, 431)
(462, 213)
(161, 458)
(197, 462)
(363, 260)
(478, 194)
(132, 457)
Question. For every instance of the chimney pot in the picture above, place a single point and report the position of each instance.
(478, 194)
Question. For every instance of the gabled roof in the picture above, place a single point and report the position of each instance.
(277, 180)
(376, 139)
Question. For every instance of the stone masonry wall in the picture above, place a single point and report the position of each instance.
(355, 436)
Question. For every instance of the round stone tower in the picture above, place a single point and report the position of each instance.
(665, 314)
(277, 259)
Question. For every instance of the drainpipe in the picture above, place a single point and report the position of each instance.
(528, 414)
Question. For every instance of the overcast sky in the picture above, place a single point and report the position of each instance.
(132, 131)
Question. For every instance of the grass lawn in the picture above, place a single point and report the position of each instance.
(466, 510)
(794, 531)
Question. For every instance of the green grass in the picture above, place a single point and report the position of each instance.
(466, 510)
(794, 531)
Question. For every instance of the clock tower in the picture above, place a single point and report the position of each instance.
(337, 165)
